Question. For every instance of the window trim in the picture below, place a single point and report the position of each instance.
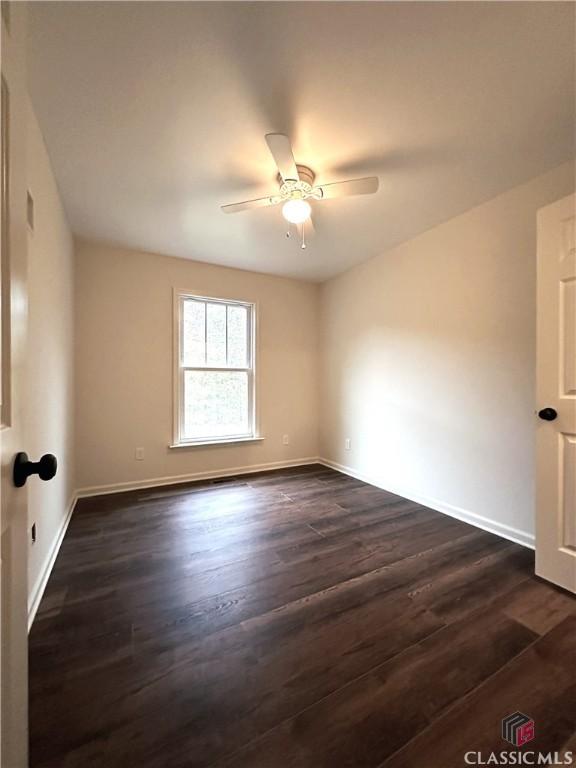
(178, 441)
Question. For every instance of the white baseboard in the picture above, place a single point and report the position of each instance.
(155, 482)
(38, 590)
(492, 526)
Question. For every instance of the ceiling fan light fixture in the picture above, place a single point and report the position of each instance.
(296, 211)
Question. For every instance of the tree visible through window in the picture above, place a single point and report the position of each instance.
(215, 376)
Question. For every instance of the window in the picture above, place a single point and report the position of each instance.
(215, 376)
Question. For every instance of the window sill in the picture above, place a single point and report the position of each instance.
(223, 441)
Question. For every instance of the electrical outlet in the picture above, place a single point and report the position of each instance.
(139, 454)
(33, 533)
(286, 440)
(347, 444)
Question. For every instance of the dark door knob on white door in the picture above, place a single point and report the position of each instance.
(23, 468)
(547, 414)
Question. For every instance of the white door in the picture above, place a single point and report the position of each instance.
(13, 314)
(556, 394)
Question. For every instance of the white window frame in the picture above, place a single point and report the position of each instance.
(179, 441)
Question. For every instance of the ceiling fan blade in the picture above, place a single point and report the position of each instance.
(366, 186)
(281, 149)
(247, 204)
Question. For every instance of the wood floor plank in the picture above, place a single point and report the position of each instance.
(538, 605)
(541, 682)
(457, 592)
(255, 675)
(568, 751)
(365, 722)
(295, 617)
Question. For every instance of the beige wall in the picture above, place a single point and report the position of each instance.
(124, 366)
(50, 395)
(428, 362)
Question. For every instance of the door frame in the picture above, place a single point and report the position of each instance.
(13, 314)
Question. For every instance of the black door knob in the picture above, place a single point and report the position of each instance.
(548, 414)
(23, 468)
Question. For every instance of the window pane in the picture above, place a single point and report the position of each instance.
(193, 336)
(215, 404)
(237, 336)
(216, 334)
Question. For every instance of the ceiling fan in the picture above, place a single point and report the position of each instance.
(296, 185)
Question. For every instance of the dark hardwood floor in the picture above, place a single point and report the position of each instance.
(297, 618)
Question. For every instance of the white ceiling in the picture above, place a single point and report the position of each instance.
(154, 115)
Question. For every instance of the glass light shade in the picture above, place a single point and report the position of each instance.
(296, 211)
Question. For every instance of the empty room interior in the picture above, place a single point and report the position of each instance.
(288, 391)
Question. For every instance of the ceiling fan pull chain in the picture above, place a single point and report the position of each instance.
(303, 238)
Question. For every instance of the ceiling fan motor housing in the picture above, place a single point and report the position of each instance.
(298, 189)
